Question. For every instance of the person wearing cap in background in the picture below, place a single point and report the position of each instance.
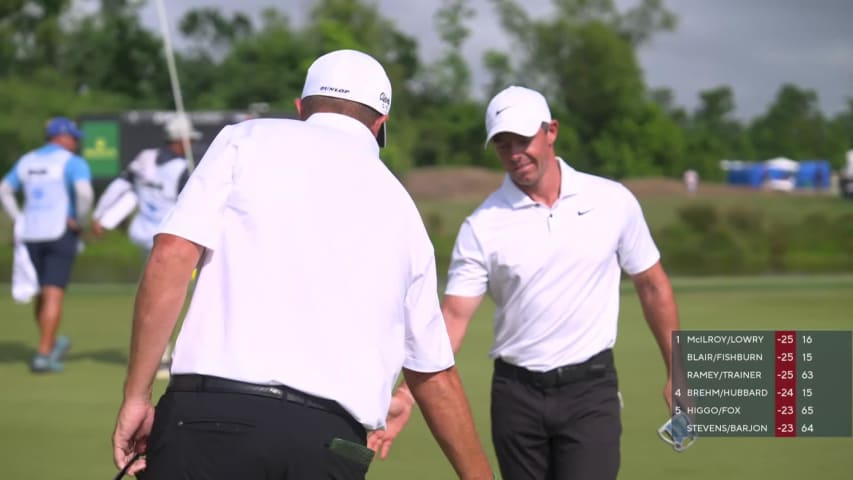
(57, 186)
(316, 285)
(150, 184)
(549, 247)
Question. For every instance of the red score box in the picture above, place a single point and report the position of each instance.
(786, 384)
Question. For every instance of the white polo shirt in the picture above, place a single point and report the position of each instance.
(318, 272)
(553, 273)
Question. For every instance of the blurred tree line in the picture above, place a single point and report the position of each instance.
(55, 59)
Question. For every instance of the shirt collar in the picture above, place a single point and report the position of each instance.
(518, 199)
(348, 125)
(51, 147)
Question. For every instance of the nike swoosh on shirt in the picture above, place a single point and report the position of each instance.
(584, 212)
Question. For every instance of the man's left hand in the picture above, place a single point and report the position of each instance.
(73, 225)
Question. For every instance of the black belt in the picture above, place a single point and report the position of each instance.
(206, 383)
(595, 367)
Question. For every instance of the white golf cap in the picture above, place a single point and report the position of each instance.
(517, 110)
(351, 75)
(179, 127)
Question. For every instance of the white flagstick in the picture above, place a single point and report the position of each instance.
(173, 78)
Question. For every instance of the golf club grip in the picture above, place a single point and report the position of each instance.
(124, 470)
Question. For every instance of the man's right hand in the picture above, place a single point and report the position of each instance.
(97, 229)
(399, 413)
(135, 419)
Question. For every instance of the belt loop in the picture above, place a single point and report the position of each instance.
(559, 376)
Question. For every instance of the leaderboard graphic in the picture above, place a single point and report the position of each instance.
(763, 383)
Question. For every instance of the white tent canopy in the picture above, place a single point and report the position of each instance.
(782, 163)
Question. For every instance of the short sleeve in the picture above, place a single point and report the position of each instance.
(637, 251)
(77, 170)
(428, 346)
(198, 213)
(467, 275)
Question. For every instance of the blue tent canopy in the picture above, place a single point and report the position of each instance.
(814, 174)
(751, 175)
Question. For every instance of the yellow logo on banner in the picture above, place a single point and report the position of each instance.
(100, 150)
(102, 147)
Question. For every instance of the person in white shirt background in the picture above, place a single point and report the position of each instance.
(149, 185)
(549, 247)
(316, 285)
(57, 187)
(691, 180)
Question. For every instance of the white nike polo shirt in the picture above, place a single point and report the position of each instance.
(553, 273)
(318, 271)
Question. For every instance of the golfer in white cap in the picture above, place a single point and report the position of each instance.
(316, 285)
(549, 247)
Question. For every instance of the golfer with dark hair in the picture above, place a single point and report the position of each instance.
(549, 247)
(316, 284)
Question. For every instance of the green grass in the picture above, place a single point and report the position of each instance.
(115, 259)
(59, 426)
(785, 208)
(661, 211)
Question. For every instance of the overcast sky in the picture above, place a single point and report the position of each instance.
(752, 45)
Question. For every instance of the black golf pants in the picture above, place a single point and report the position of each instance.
(204, 435)
(567, 432)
